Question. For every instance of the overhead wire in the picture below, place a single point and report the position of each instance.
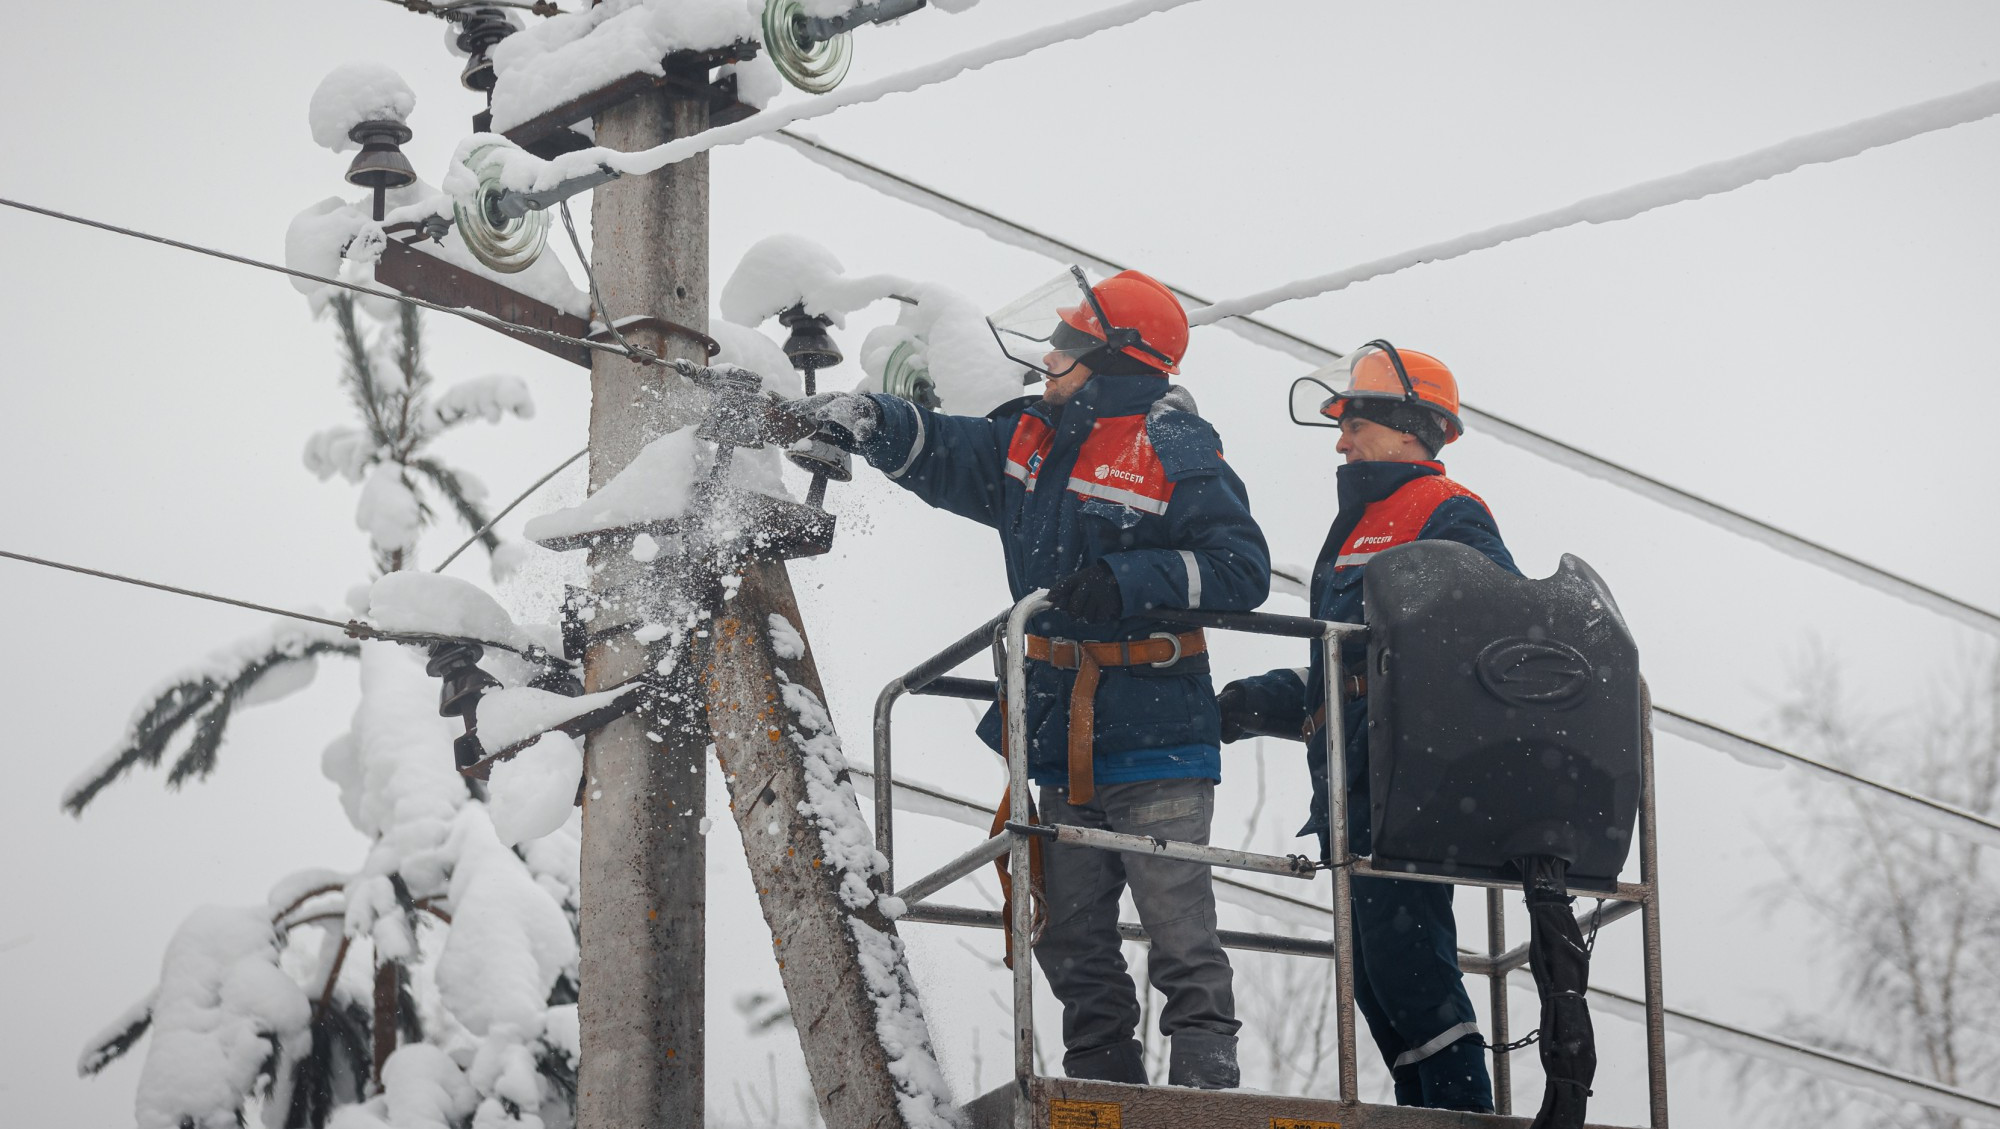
(1014, 233)
(1970, 827)
(195, 593)
(1821, 147)
(495, 519)
(1829, 145)
(1896, 1084)
(637, 356)
(638, 162)
(355, 628)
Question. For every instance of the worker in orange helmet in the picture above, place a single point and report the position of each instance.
(1109, 491)
(1396, 410)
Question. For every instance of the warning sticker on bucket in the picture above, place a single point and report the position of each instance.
(1065, 1114)
(1296, 1123)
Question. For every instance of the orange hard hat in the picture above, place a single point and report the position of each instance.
(1143, 306)
(1380, 372)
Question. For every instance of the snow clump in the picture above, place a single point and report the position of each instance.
(785, 639)
(580, 52)
(430, 604)
(511, 716)
(921, 1092)
(224, 1011)
(388, 510)
(946, 332)
(657, 485)
(353, 93)
(508, 942)
(531, 793)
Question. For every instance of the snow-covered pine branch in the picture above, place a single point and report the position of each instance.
(262, 668)
(434, 983)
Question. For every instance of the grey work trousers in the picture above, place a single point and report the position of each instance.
(1079, 950)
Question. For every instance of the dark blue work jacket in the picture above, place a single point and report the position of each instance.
(1116, 475)
(1382, 505)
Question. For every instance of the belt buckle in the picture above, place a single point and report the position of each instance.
(1171, 638)
(1056, 645)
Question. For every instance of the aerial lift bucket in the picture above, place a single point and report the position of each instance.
(1505, 727)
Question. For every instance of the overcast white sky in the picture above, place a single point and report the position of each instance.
(1817, 350)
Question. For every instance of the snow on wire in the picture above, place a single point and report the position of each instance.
(1822, 147)
(1014, 234)
(525, 173)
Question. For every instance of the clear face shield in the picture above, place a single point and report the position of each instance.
(1373, 372)
(1051, 328)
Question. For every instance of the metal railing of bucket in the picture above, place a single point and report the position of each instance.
(1008, 630)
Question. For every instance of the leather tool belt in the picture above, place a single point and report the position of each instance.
(1357, 687)
(1161, 649)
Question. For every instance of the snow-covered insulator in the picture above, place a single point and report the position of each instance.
(809, 347)
(814, 65)
(479, 29)
(504, 243)
(463, 683)
(907, 373)
(813, 52)
(380, 164)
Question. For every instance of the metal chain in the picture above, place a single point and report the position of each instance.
(1531, 1037)
(638, 356)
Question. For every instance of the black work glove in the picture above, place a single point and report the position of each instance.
(844, 419)
(1237, 717)
(1090, 595)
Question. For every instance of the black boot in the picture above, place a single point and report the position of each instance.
(1119, 1062)
(1204, 1061)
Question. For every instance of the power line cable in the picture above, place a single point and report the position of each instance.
(350, 626)
(1956, 821)
(1822, 147)
(495, 520)
(353, 627)
(638, 356)
(1832, 1065)
(1016, 234)
(992, 224)
(584, 162)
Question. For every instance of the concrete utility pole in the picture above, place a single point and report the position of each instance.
(644, 867)
(641, 1005)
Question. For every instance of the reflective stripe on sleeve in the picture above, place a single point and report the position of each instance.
(1349, 560)
(916, 448)
(1194, 578)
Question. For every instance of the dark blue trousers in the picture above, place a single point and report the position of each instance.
(1410, 990)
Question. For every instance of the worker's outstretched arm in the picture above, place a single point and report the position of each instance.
(955, 463)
